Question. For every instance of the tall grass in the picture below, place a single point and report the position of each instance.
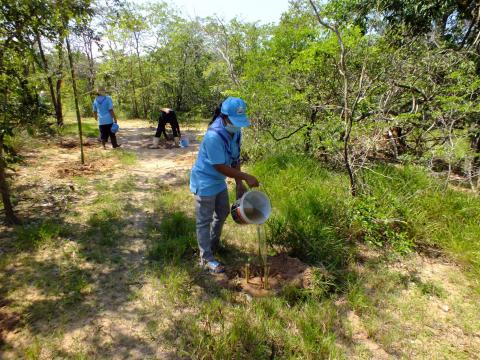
(309, 209)
(433, 216)
(401, 207)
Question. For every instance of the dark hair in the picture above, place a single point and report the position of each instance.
(216, 113)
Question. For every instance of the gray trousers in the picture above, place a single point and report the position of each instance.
(211, 212)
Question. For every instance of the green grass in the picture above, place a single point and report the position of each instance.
(106, 222)
(430, 215)
(314, 218)
(173, 238)
(400, 208)
(34, 235)
(125, 157)
(265, 329)
(89, 128)
(309, 206)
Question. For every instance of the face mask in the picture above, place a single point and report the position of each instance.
(232, 129)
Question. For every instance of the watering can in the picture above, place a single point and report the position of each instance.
(252, 208)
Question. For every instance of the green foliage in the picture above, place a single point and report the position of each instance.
(308, 204)
(314, 217)
(172, 239)
(35, 235)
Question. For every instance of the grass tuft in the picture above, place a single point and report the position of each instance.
(172, 239)
(35, 235)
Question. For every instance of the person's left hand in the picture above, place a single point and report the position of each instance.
(240, 189)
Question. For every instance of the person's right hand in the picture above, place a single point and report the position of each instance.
(252, 181)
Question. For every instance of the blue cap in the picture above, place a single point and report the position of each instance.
(235, 109)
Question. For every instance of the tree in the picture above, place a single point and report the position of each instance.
(67, 12)
(21, 107)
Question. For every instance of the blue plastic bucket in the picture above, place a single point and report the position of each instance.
(184, 142)
(114, 128)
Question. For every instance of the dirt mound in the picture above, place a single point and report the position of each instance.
(73, 143)
(283, 270)
(68, 169)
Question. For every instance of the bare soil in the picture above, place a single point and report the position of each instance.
(283, 270)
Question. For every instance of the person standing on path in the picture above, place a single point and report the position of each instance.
(104, 114)
(218, 158)
(167, 116)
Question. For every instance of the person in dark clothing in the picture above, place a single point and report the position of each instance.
(167, 116)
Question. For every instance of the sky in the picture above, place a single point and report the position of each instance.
(265, 11)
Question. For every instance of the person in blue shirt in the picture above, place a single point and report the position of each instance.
(218, 158)
(103, 112)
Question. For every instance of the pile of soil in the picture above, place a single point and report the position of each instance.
(68, 143)
(68, 169)
(283, 270)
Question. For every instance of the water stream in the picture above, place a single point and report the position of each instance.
(262, 253)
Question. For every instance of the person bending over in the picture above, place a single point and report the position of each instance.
(167, 116)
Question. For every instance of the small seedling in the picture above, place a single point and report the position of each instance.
(247, 272)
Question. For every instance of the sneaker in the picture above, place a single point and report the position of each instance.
(214, 267)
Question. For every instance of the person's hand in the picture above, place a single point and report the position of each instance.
(252, 181)
(240, 189)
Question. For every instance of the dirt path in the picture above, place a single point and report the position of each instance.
(164, 163)
(110, 322)
(121, 328)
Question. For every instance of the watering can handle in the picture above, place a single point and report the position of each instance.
(250, 187)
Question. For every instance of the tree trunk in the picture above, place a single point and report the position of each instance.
(308, 134)
(77, 109)
(58, 106)
(88, 45)
(134, 93)
(58, 115)
(475, 168)
(181, 85)
(145, 95)
(347, 114)
(10, 216)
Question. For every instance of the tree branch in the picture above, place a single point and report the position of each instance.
(286, 136)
